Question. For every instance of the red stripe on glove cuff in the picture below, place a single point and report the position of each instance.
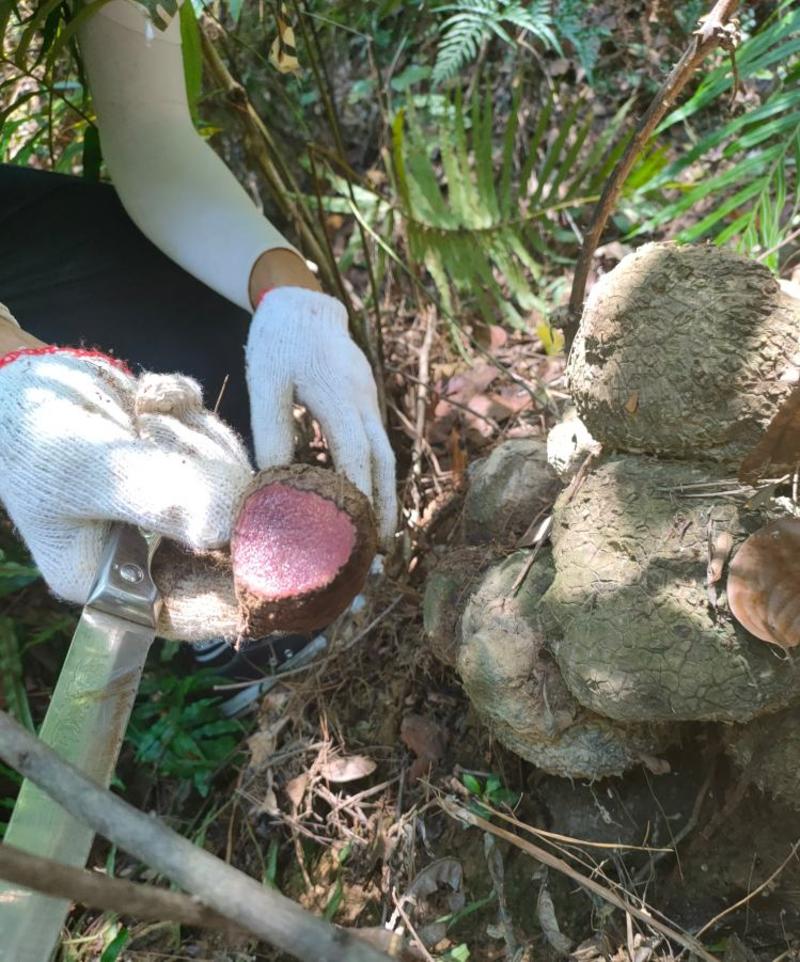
(262, 294)
(74, 351)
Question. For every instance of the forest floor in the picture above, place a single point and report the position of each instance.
(353, 787)
(345, 783)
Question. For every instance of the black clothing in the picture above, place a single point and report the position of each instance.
(76, 271)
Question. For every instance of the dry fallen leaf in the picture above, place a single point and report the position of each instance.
(427, 739)
(779, 448)
(546, 914)
(296, 789)
(347, 768)
(262, 747)
(443, 872)
(764, 583)
(632, 404)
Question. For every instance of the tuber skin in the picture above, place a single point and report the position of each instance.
(684, 352)
(301, 549)
(637, 638)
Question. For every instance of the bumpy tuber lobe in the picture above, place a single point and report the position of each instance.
(764, 583)
(301, 549)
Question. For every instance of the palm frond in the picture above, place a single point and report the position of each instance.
(743, 175)
(481, 222)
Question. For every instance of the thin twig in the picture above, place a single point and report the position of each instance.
(318, 662)
(317, 61)
(407, 922)
(98, 891)
(690, 825)
(263, 911)
(421, 412)
(569, 839)
(711, 34)
(286, 194)
(750, 895)
(687, 941)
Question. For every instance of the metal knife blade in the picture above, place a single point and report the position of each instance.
(85, 724)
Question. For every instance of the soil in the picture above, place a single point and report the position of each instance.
(385, 710)
(350, 848)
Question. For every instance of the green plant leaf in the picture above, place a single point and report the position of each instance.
(192, 57)
(112, 951)
(472, 784)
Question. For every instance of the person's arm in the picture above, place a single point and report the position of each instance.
(189, 205)
(171, 183)
(12, 337)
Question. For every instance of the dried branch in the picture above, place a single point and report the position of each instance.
(596, 888)
(283, 187)
(98, 891)
(264, 912)
(751, 895)
(715, 30)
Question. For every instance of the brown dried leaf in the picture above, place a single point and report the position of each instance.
(348, 768)
(427, 739)
(546, 913)
(269, 803)
(443, 872)
(262, 747)
(461, 388)
(632, 404)
(296, 789)
(779, 448)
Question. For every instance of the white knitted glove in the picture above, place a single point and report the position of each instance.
(83, 443)
(299, 347)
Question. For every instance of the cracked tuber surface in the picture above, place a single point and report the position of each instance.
(638, 638)
(498, 640)
(686, 352)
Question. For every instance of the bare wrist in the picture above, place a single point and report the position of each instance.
(279, 268)
(12, 337)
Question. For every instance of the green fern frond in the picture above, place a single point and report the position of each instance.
(573, 24)
(471, 22)
(482, 225)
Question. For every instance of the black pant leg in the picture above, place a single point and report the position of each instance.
(75, 270)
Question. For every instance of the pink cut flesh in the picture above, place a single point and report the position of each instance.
(290, 542)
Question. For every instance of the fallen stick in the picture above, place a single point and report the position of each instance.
(554, 862)
(98, 891)
(264, 912)
(714, 31)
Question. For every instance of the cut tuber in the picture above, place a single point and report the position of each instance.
(302, 545)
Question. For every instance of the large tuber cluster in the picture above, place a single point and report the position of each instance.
(682, 359)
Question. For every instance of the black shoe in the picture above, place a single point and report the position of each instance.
(260, 662)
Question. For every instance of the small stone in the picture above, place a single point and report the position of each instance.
(568, 445)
